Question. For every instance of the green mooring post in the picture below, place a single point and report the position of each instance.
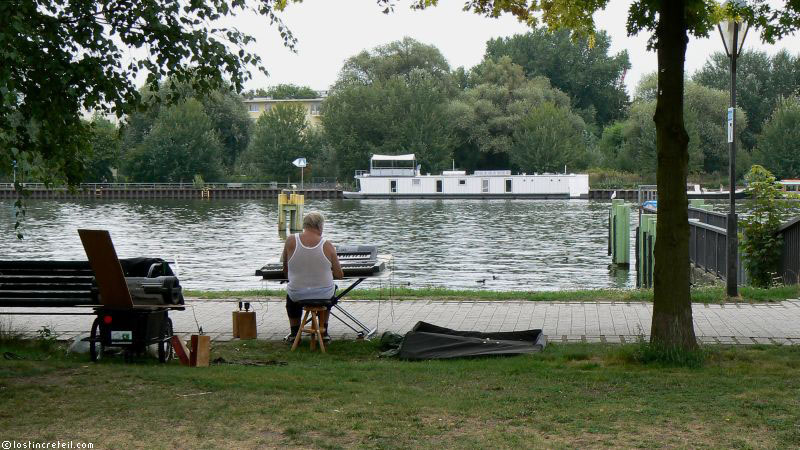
(620, 233)
(647, 244)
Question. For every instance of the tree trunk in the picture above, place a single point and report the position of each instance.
(672, 309)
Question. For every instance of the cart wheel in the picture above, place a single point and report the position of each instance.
(95, 346)
(165, 352)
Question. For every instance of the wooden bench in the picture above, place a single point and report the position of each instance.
(131, 297)
(72, 283)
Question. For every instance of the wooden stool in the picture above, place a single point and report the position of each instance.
(315, 330)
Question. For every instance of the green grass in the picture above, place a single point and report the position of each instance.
(713, 294)
(572, 396)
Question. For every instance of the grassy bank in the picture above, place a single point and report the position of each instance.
(264, 396)
(713, 294)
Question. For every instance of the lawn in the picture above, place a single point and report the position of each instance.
(575, 395)
(708, 294)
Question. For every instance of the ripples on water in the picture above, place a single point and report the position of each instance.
(525, 244)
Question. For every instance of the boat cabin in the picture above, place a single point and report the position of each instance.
(398, 176)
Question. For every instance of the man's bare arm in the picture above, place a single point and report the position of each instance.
(336, 267)
(285, 257)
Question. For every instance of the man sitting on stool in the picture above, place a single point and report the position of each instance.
(310, 263)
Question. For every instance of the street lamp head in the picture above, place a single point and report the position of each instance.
(733, 31)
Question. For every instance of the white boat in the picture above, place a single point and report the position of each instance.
(398, 176)
(790, 185)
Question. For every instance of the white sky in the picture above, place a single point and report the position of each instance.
(331, 31)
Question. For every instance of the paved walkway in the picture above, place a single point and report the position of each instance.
(773, 323)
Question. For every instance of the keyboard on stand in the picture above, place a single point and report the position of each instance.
(356, 261)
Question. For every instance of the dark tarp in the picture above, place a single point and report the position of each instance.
(140, 267)
(426, 341)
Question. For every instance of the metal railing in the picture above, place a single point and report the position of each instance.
(710, 217)
(790, 251)
(708, 246)
(646, 192)
(145, 186)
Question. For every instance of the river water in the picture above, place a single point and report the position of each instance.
(511, 244)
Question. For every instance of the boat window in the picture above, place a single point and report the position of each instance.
(484, 185)
(462, 182)
(415, 182)
(438, 185)
(508, 185)
(393, 185)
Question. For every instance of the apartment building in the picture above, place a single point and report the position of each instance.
(313, 106)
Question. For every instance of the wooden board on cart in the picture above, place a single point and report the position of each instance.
(107, 269)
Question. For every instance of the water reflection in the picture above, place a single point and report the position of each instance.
(512, 244)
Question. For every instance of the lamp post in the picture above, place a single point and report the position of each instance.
(733, 32)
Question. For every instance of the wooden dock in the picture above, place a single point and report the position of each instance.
(171, 191)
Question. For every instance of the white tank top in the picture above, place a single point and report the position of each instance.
(310, 276)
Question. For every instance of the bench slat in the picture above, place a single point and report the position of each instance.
(50, 265)
(46, 272)
(88, 276)
(44, 294)
(86, 287)
(47, 302)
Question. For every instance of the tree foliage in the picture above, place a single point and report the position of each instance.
(392, 100)
(104, 157)
(231, 121)
(761, 81)
(638, 151)
(396, 116)
(60, 58)
(705, 114)
(398, 58)
(548, 139)
(222, 106)
(630, 145)
(595, 80)
(182, 143)
(779, 142)
(486, 116)
(283, 92)
(279, 139)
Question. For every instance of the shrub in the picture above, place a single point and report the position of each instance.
(761, 247)
(613, 179)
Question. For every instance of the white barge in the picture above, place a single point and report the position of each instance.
(398, 176)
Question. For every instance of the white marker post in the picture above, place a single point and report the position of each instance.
(301, 163)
